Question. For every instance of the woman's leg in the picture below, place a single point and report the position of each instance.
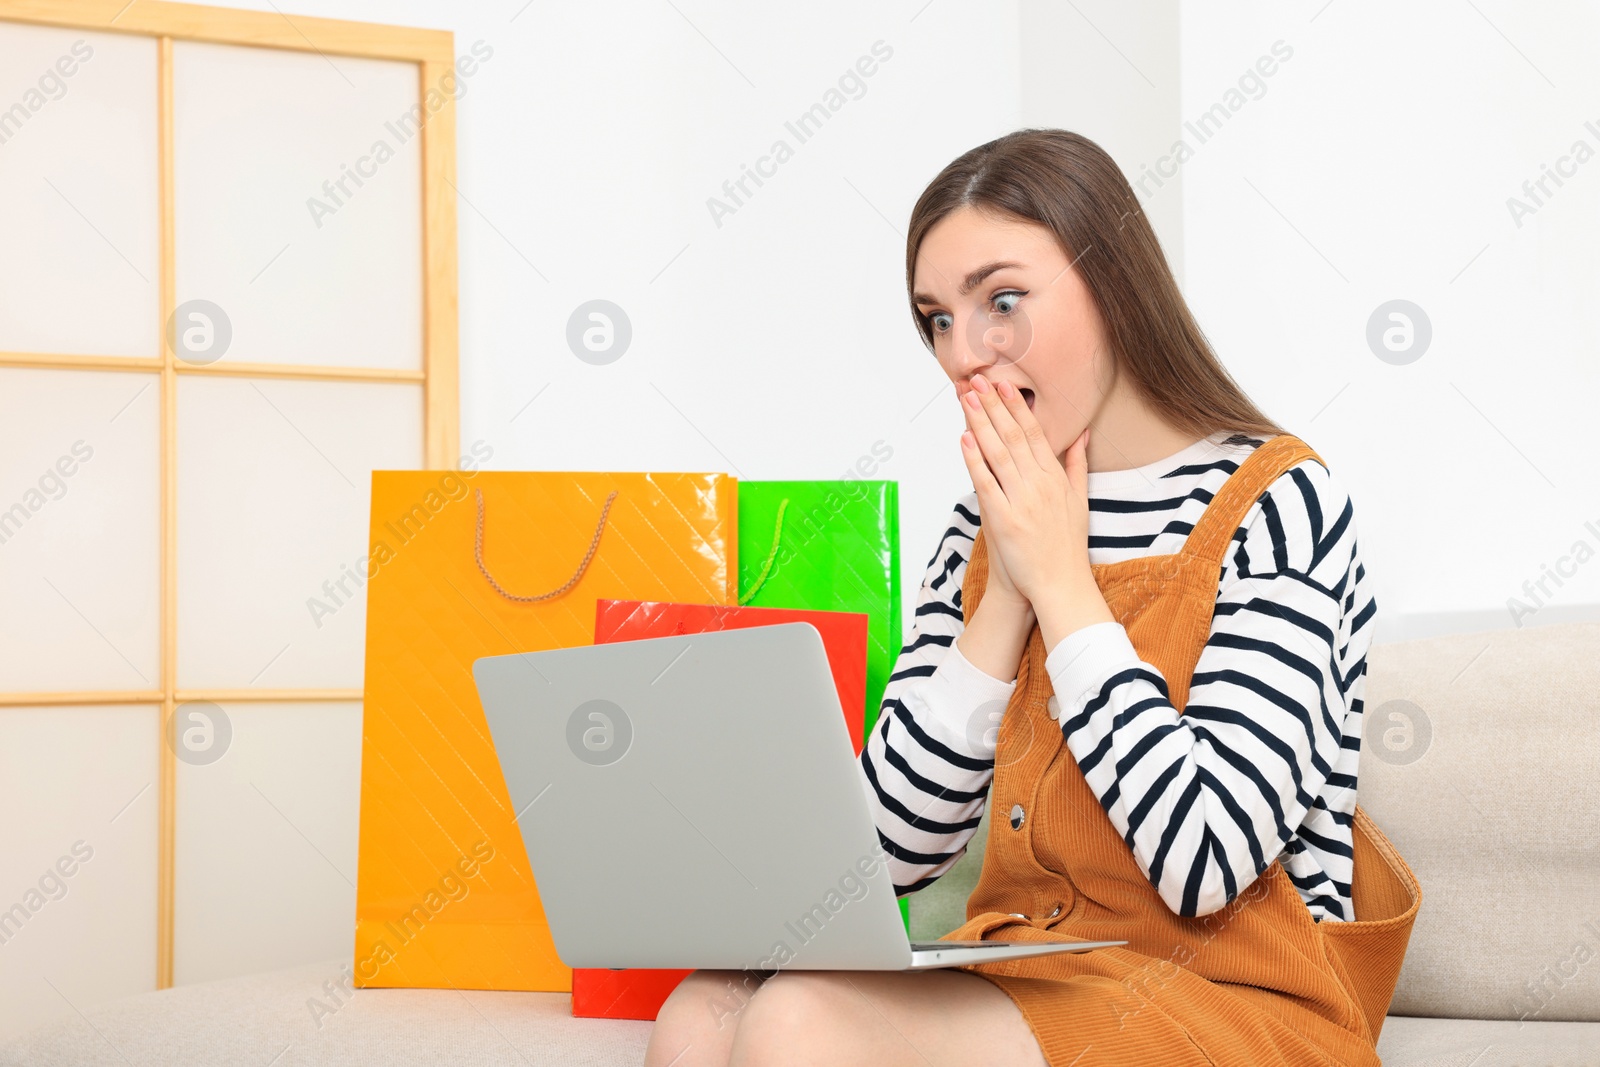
(695, 1027)
(883, 1019)
(839, 1018)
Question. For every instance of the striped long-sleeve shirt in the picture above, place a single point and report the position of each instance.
(1262, 763)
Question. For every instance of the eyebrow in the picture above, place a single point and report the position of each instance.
(971, 282)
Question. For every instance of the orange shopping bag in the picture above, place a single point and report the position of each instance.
(512, 562)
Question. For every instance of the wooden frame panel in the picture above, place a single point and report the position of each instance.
(235, 370)
(433, 51)
(221, 25)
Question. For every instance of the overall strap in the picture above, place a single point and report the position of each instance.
(1211, 536)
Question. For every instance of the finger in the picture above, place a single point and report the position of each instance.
(994, 455)
(983, 480)
(993, 450)
(1006, 427)
(1038, 445)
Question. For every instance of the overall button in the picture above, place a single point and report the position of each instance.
(1017, 815)
(1054, 707)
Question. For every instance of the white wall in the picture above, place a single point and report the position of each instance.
(1377, 165)
(1109, 69)
(777, 344)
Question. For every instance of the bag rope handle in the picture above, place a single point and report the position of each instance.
(766, 567)
(594, 542)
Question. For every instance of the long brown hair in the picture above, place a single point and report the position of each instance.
(1067, 183)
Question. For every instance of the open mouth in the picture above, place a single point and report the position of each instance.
(1027, 396)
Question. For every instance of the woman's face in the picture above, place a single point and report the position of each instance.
(1002, 299)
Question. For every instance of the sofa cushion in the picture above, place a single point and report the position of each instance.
(290, 1019)
(1408, 1042)
(1481, 762)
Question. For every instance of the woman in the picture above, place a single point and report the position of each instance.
(1142, 639)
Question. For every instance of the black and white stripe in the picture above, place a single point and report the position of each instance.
(1261, 765)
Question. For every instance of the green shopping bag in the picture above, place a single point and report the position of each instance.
(828, 546)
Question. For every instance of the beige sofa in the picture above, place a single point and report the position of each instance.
(1482, 764)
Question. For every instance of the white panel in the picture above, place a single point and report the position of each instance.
(306, 265)
(274, 484)
(79, 528)
(78, 870)
(266, 838)
(78, 192)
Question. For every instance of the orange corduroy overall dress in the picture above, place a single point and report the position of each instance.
(1257, 982)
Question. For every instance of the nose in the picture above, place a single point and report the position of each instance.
(970, 353)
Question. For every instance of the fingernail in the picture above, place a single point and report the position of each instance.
(1007, 390)
(971, 400)
(980, 383)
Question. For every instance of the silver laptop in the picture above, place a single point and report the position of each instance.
(694, 801)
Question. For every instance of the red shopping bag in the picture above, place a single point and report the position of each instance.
(634, 993)
(639, 992)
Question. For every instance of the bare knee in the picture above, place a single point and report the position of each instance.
(797, 1016)
(695, 1026)
(881, 1019)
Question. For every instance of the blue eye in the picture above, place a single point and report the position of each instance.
(1006, 302)
(941, 321)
